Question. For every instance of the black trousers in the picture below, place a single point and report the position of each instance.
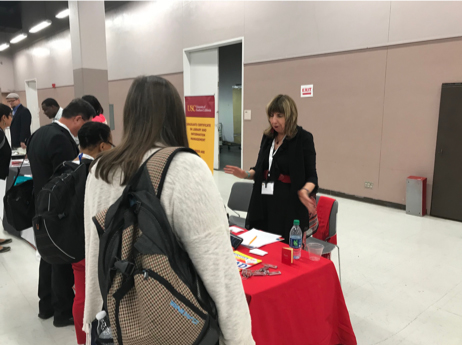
(55, 290)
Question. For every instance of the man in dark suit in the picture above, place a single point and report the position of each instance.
(48, 147)
(20, 126)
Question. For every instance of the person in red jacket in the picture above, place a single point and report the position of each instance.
(98, 108)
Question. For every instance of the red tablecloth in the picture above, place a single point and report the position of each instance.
(303, 305)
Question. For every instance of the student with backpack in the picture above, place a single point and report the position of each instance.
(59, 223)
(47, 148)
(94, 138)
(158, 252)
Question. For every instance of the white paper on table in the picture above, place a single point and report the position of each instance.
(263, 238)
(16, 163)
(235, 229)
(258, 252)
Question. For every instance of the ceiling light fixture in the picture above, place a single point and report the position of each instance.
(40, 26)
(63, 14)
(4, 46)
(18, 38)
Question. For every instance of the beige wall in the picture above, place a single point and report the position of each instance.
(374, 113)
(118, 91)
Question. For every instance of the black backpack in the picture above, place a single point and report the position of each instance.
(58, 223)
(150, 288)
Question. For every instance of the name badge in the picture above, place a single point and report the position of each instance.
(267, 188)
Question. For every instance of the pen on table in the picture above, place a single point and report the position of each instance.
(252, 240)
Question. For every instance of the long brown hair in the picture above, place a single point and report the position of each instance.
(153, 114)
(285, 105)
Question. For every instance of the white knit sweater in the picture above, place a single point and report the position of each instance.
(197, 215)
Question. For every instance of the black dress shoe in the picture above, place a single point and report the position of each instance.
(45, 316)
(8, 240)
(63, 322)
(5, 249)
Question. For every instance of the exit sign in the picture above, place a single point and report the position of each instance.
(306, 91)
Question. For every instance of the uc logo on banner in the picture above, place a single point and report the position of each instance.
(191, 108)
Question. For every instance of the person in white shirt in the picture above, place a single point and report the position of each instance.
(52, 109)
(94, 138)
(154, 117)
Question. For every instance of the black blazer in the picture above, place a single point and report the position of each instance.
(20, 126)
(302, 169)
(48, 147)
(5, 156)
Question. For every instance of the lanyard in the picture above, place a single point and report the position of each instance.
(84, 155)
(272, 154)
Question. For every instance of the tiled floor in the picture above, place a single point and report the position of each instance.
(402, 279)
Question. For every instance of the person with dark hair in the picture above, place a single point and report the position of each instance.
(286, 166)
(94, 138)
(154, 118)
(5, 155)
(20, 126)
(52, 109)
(98, 108)
(49, 147)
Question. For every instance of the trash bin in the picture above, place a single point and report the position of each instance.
(416, 196)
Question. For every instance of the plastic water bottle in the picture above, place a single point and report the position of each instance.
(103, 330)
(295, 240)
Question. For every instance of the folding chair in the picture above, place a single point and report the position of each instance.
(239, 200)
(329, 247)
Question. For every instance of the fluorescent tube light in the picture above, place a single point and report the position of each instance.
(63, 14)
(4, 46)
(18, 38)
(40, 26)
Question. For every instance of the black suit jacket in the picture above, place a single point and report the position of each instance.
(20, 126)
(302, 169)
(48, 147)
(5, 156)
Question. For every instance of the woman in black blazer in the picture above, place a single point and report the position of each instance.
(5, 154)
(285, 175)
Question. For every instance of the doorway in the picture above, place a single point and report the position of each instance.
(32, 103)
(447, 184)
(230, 104)
(217, 69)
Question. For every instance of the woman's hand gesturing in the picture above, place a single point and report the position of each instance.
(232, 170)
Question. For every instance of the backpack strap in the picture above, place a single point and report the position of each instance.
(159, 163)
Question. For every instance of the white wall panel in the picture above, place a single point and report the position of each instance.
(275, 30)
(48, 61)
(422, 20)
(206, 22)
(351, 25)
(144, 38)
(6, 73)
(149, 37)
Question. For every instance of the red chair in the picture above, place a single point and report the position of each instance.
(326, 235)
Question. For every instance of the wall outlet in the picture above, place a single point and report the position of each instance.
(368, 185)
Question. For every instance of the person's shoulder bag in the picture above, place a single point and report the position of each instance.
(19, 203)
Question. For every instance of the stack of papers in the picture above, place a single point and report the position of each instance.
(258, 238)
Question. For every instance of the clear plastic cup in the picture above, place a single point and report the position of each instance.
(315, 251)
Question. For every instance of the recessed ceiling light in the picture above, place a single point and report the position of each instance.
(18, 38)
(63, 14)
(4, 46)
(40, 26)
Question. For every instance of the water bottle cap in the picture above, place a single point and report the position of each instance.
(101, 315)
(296, 222)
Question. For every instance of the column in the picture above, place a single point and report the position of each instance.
(89, 58)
